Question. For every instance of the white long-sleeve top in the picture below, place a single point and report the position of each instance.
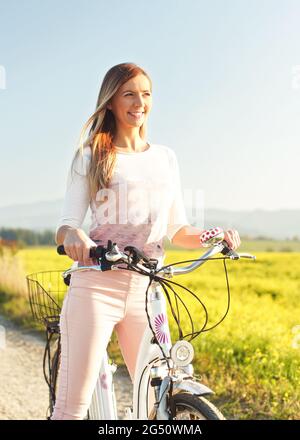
(143, 202)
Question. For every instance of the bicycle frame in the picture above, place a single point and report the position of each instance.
(103, 406)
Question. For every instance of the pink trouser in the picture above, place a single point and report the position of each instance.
(96, 303)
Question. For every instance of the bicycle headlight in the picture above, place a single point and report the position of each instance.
(182, 353)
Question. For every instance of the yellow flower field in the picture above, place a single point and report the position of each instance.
(252, 359)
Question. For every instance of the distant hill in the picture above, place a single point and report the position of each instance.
(279, 224)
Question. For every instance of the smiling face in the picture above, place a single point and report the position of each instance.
(132, 102)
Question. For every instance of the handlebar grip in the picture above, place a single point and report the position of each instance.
(95, 252)
(61, 250)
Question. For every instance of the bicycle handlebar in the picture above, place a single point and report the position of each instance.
(112, 255)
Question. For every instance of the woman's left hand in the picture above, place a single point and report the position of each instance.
(232, 238)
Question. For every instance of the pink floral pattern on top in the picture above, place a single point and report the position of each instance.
(128, 235)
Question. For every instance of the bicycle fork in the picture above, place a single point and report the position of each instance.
(164, 409)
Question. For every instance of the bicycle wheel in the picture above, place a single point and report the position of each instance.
(191, 407)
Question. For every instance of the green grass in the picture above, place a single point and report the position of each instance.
(249, 359)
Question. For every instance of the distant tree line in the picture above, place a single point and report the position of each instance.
(26, 237)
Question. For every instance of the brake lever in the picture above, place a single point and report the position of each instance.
(229, 252)
(244, 255)
(234, 255)
(136, 254)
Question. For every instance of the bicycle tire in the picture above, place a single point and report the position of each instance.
(54, 374)
(196, 407)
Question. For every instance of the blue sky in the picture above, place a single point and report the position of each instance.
(226, 92)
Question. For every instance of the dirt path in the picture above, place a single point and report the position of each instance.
(24, 392)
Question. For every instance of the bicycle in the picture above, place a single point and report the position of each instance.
(163, 369)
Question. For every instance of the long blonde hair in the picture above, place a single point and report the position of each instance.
(103, 128)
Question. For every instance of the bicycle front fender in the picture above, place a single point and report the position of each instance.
(191, 387)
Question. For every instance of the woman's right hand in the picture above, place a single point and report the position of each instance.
(77, 246)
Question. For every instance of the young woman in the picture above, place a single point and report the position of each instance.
(134, 192)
